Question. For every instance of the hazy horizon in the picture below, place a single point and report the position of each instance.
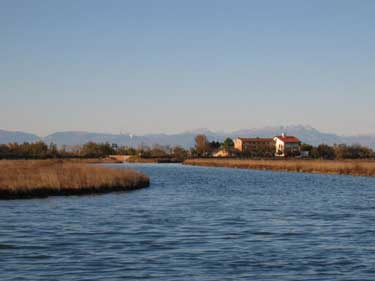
(195, 130)
(167, 67)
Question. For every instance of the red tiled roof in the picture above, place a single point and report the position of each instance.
(256, 139)
(288, 139)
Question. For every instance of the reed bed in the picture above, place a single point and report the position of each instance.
(106, 160)
(42, 178)
(339, 167)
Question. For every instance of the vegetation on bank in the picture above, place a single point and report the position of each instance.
(160, 160)
(90, 150)
(338, 151)
(203, 148)
(40, 150)
(42, 178)
(340, 167)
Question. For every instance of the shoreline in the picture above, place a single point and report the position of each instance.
(26, 179)
(156, 160)
(331, 167)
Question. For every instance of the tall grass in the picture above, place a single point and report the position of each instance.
(41, 178)
(341, 167)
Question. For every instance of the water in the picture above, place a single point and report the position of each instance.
(197, 223)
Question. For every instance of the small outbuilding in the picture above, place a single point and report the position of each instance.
(222, 153)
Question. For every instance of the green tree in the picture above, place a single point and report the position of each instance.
(326, 152)
(92, 149)
(228, 143)
(355, 151)
(215, 145)
(179, 153)
(36, 150)
(307, 147)
(4, 152)
(126, 151)
(53, 151)
(159, 151)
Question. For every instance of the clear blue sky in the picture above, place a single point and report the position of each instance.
(168, 66)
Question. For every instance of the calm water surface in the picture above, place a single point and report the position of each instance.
(197, 223)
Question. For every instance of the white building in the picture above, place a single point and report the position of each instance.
(287, 146)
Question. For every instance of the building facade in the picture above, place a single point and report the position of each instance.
(287, 146)
(254, 145)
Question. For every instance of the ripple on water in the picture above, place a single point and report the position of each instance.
(7, 247)
(197, 223)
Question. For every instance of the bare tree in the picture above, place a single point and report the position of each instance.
(202, 145)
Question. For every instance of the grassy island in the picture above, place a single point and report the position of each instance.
(340, 167)
(42, 178)
(137, 159)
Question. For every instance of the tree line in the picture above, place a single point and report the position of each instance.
(202, 148)
(338, 151)
(40, 150)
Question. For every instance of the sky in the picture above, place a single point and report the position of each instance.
(165, 66)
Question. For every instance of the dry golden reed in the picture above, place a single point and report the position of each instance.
(340, 167)
(40, 178)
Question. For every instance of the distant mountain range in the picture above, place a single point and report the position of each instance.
(306, 133)
(13, 136)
